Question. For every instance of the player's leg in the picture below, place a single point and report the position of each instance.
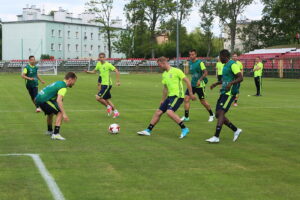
(102, 97)
(201, 94)
(186, 117)
(172, 108)
(257, 85)
(156, 117)
(33, 91)
(49, 124)
(236, 100)
(237, 131)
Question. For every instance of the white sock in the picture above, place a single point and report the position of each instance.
(108, 106)
(115, 111)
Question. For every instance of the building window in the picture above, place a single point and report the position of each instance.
(76, 35)
(69, 34)
(59, 47)
(92, 36)
(52, 33)
(76, 47)
(85, 47)
(52, 47)
(85, 37)
(69, 47)
(59, 33)
(98, 48)
(91, 47)
(99, 36)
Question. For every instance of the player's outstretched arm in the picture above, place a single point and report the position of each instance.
(189, 87)
(212, 86)
(26, 77)
(117, 76)
(90, 72)
(59, 101)
(39, 77)
(239, 78)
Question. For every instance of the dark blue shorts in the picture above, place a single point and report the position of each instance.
(105, 92)
(220, 77)
(33, 91)
(224, 102)
(50, 107)
(100, 79)
(199, 91)
(171, 103)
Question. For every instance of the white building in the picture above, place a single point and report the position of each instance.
(59, 34)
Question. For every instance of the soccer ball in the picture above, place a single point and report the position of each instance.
(114, 129)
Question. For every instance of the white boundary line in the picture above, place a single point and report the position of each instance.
(53, 187)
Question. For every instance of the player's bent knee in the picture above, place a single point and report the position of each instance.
(170, 112)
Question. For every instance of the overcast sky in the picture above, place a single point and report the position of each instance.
(9, 10)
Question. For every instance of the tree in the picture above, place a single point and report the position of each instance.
(153, 12)
(103, 9)
(228, 11)
(207, 16)
(184, 8)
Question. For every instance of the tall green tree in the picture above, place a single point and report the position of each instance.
(228, 12)
(103, 9)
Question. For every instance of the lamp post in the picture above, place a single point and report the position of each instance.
(177, 35)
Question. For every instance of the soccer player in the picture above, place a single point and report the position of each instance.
(198, 71)
(50, 99)
(101, 60)
(258, 69)
(219, 69)
(31, 76)
(172, 96)
(104, 94)
(231, 79)
(240, 64)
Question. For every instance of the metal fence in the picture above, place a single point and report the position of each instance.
(277, 68)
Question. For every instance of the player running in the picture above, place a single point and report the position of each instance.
(198, 71)
(104, 95)
(101, 60)
(240, 64)
(31, 76)
(50, 99)
(172, 96)
(231, 79)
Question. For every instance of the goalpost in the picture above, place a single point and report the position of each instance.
(47, 67)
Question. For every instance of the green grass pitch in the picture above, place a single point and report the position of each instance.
(92, 164)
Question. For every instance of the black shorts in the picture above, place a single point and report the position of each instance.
(171, 103)
(220, 77)
(104, 93)
(224, 102)
(33, 91)
(100, 79)
(50, 107)
(199, 91)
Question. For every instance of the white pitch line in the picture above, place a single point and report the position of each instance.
(53, 187)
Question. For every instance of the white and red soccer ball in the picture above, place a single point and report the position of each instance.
(114, 128)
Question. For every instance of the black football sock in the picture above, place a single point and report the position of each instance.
(150, 127)
(181, 125)
(186, 113)
(210, 112)
(56, 130)
(218, 131)
(231, 126)
(50, 128)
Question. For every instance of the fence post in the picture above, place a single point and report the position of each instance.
(280, 70)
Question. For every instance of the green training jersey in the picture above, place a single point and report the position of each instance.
(229, 71)
(196, 70)
(51, 91)
(240, 64)
(105, 70)
(258, 72)
(172, 79)
(219, 67)
(31, 71)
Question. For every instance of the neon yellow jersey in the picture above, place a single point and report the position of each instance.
(62, 91)
(258, 72)
(172, 79)
(104, 70)
(240, 64)
(219, 67)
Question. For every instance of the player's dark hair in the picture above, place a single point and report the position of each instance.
(30, 57)
(70, 75)
(102, 54)
(225, 53)
(193, 50)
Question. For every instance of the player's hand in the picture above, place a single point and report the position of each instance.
(213, 86)
(198, 83)
(32, 79)
(193, 97)
(118, 83)
(228, 86)
(66, 118)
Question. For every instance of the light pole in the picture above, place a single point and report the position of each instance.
(177, 35)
